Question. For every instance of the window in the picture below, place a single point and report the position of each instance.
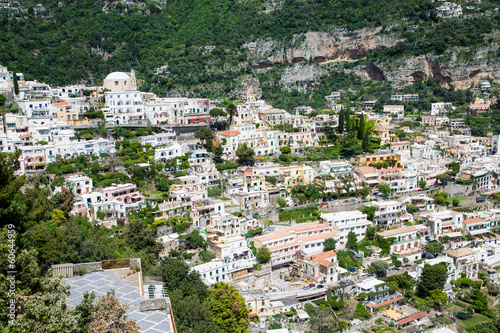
(116, 83)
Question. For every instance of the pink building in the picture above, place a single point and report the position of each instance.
(126, 193)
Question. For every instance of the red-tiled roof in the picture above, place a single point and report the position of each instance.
(385, 303)
(25, 136)
(62, 104)
(474, 220)
(230, 133)
(411, 318)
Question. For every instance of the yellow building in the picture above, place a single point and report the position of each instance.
(382, 121)
(69, 115)
(297, 175)
(370, 159)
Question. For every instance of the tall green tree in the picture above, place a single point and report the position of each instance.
(365, 145)
(348, 123)
(231, 111)
(433, 277)
(352, 241)
(16, 84)
(330, 244)
(384, 188)
(435, 248)
(361, 127)
(217, 112)
(245, 154)
(437, 298)
(281, 202)
(228, 308)
(340, 127)
(204, 134)
(141, 238)
(379, 267)
(218, 150)
(263, 255)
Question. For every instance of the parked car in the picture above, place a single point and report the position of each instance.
(345, 201)
(324, 203)
(312, 285)
(353, 269)
(306, 288)
(319, 286)
(256, 215)
(353, 200)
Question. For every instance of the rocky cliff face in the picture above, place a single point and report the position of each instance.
(452, 72)
(342, 45)
(320, 47)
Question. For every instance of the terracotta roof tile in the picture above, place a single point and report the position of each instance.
(474, 220)
(397, 231)
(62, 104)
(411, 318)
(230, 133)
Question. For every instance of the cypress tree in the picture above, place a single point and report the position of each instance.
(16, 85)
(361, 127)
(348, 122)
(366, 141)
(340, 128)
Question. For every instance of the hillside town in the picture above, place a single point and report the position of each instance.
(386, 217)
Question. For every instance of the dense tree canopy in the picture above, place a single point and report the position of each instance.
(433, 277)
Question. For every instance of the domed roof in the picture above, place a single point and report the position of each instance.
(118, 76)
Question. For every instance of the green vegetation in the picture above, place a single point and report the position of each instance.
(302, 214)
(474, 321)
(80, 41)
(263, 255)
(433, 277)
(346, 259)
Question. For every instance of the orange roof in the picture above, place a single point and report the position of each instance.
(230, 133)
(367, 170)
(419, 138)
(62, 104)
(389, 170)
(474, 220)
(323, 255)
(411, 318)
(262, 141)
(323, 262)
(385, 303)
(25, 136)
(397, 231)
(445, 224)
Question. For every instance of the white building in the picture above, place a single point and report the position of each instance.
(170, 151)
(80, 184)
(354, 221)
(34, 158)
(219, 271)
(444, 223)
(390, 212)
(405, 242)
(127, 106)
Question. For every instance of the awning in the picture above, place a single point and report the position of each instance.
(302, 315)
(478, 232)
(452, 234)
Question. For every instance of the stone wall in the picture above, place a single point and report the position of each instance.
(135, 262)
(89, 267)
(155, 304)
